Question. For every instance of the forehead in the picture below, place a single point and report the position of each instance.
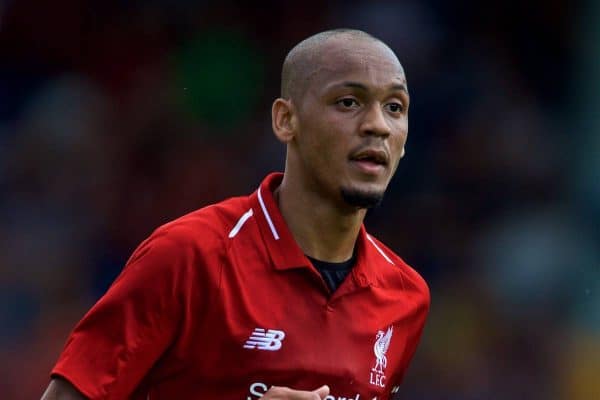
(368, 62)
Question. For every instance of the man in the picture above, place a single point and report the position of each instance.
(281, 294)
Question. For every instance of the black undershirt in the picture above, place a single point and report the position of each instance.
(333, 273)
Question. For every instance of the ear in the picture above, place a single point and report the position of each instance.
(283, 115)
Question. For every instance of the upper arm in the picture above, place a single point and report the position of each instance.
(59, 389)
(117, 342)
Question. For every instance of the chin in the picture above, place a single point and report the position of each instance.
(362, 198)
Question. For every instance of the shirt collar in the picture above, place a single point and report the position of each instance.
(285, 252)
(281, 245)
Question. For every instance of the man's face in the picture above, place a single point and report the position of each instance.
(352, 122)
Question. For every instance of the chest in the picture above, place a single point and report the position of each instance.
(284, 328)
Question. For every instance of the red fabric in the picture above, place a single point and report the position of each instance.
(175, 322)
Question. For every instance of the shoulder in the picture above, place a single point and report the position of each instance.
(400, 274)
(185, 251)
(192, 238)
(205, 228)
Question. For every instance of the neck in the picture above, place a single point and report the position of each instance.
(321, 228)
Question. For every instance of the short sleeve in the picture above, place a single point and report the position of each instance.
(117, 342)
(415, 338)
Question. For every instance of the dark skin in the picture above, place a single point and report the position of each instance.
(354, 105)
(60, 389)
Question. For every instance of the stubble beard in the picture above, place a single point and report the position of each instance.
(361, 199)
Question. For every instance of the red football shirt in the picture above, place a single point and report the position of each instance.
(222, 304)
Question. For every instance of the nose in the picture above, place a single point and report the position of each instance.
(374, 122)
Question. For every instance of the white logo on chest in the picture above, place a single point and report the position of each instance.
(382, 343)
(265, 340)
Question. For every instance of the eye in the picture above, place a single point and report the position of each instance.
(395, 107)
(348, 102)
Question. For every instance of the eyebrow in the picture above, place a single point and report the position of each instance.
(360, 86)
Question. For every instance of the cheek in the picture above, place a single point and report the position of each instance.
(397, 143)
(318, 146)
(324, 136)
(401, 137)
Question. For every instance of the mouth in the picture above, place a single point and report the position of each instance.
(370, 161)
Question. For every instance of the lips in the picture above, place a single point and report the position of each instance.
(370, 162)
(378, 157)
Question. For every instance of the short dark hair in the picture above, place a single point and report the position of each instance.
(299, 62)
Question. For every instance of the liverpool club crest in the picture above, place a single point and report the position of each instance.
(380, 348)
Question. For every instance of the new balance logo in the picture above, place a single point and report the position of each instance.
(265, 340)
